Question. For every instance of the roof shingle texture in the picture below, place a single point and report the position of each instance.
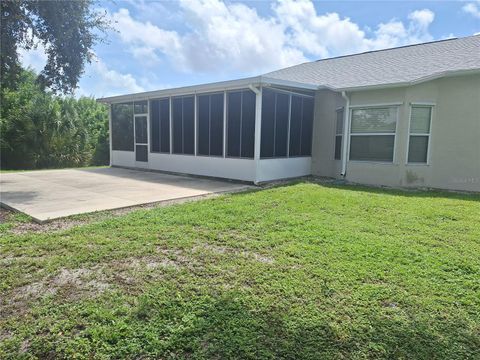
(399, 65)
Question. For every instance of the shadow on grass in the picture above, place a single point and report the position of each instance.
(232, 326)
(405, 192)
(229, 325)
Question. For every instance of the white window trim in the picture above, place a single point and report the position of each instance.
(379, 105)
(429, 135)
(394, 133)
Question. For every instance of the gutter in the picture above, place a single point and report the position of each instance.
(346, 133)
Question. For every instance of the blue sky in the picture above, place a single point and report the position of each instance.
(161, 44)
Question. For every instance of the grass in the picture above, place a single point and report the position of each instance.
(303, 271)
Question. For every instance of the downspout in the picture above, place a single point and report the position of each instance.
(346, 133)
(258, 128)
(254, 89)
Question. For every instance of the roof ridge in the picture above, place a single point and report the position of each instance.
(394, 48)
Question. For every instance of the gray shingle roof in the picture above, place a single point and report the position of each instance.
(408, 64)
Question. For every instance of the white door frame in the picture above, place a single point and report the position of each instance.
(141, 164)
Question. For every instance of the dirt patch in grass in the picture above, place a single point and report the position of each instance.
(228, 250)
(127, 274)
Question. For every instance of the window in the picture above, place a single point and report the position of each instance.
(419, 137)
(210, 125)
(160, 125)
(286, 124)
(183, 123)
(241, 123)
(122, 127)
(338, 134)
(373, 134)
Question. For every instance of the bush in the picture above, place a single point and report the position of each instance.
(41, 130)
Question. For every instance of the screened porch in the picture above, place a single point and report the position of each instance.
(246, 131)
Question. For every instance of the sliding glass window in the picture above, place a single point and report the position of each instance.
(240, 123)
(183, 125)
(122, 127)
(210, 124)
(419, 137)
(160, 125)
(373, 134)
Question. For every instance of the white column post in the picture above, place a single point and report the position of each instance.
(195, 117)
(225, 124)
(170, 126)
(110, 130)
(258, 129)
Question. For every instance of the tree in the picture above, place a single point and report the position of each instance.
(41, 130)
(67, 30)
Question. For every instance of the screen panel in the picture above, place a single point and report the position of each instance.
(141, 153)
(216, 124)
(203, 124)
(141, 133)
(154, 125)
(141, 107)
(189, 125)
(248, 124)
(281, 124)
(234, 115)
(295, 125)
(177, 124)
(165, 125)
(268, 124)
(122, 127)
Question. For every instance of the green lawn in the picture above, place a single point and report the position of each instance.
(306, 271)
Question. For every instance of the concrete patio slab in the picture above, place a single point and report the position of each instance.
(51, 194)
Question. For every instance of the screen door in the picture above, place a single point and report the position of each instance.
(141, 139)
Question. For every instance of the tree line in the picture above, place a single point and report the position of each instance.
(39, 129)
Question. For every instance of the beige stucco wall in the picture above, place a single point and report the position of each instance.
(454, 161)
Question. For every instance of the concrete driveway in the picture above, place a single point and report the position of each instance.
(50, 194)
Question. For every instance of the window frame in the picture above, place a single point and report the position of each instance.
(394, 133)
(168, 99)
(336, 135)
(111, 129)
(197, 122)
(172, 138)
(429, 135)
(291, 94)
(227, 123)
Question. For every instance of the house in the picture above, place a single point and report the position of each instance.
(407, 116)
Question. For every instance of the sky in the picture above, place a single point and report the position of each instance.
(164, 44)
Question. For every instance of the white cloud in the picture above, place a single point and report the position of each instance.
(329, 34)
(225, 37)
(103, 81)
(221, 38)
(472, 9)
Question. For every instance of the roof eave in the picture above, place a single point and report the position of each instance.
(209, 87)
(411, 83)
